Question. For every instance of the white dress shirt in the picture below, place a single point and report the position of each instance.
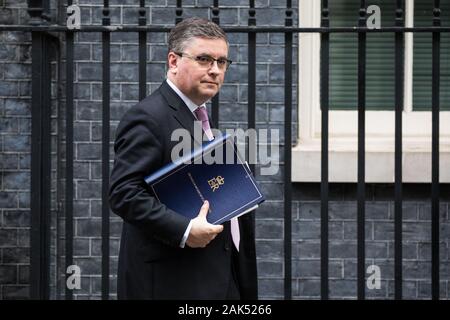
(234, 222)
(192, 107)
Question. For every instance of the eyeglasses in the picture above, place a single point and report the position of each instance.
(207, 61)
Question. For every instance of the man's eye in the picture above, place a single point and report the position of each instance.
(222, 62)
(204, 59)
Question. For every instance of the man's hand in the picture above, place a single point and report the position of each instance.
(202, 232)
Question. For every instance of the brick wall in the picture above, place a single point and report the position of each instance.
(379, 233)
(15, 128)
(15, 73)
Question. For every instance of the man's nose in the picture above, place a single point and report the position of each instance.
(214, 68)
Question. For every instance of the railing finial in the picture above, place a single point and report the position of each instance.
(35, 10)
(142, 11)
(325, 14)
(215, 12)
(179, 12)
(436, 14)
(106, 20)
(289, 14)
(252, 14)
(362, 14)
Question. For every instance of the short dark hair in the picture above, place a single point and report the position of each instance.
(193, 28)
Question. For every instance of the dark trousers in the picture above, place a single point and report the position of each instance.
(233, 285)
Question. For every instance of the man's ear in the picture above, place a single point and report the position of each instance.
(172, 60)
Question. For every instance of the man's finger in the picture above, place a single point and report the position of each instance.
(204, 209)
(218, 228)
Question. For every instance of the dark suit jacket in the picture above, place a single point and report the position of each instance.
(151, 263)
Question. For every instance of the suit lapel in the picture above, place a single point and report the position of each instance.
(182, 113)
(211, 123)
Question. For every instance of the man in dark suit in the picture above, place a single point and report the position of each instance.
(164, 255)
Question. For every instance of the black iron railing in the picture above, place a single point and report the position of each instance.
(42, 40)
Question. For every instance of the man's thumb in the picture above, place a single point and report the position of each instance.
(204, 209)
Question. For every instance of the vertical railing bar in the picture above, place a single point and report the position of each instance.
(142, 52)
(46, 162)
(59, 175)
(35, 11)
(40, 169)
(361, 253)
(288, 154)
(69, 157)
(215, 101)
(251, 119)
(324, 80)
(35, 196)
(106, 37)
(251, 79)
(398, 209)
(436, 74)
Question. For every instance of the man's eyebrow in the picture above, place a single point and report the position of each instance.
(207, 54)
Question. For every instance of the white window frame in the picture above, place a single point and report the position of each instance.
(343, 125)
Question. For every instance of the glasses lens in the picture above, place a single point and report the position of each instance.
(222, 63)
(205, 61)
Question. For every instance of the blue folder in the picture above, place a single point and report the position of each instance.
(230, 188)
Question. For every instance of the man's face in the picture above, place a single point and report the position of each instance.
(198, 82)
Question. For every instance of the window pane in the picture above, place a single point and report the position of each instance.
(380, 59)
(422, 66)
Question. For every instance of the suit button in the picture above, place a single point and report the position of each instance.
(227, 247)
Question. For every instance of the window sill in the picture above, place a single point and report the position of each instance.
(380, 159)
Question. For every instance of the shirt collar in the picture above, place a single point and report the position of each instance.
(190, 104)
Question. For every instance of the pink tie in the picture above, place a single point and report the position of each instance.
(202, 115)
(235, 232)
